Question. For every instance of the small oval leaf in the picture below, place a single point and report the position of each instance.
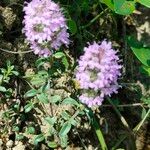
(65, 129)
(52, 144)
(38, 138)
(70, 101)
(59, 55)
(28, 107)
(51, 120)
(72, 26)
(55, 98)
(31, 93)
(43, 98)
(2, 89)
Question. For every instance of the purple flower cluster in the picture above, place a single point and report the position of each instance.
(98, 72)
(44, 26)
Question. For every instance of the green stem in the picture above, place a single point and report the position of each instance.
(141, 122)
(135, 130)
(121, 139)
(119, 114)
(94, 19)
(12, 52)
(98, 132)
(124, 122)
(126, 105)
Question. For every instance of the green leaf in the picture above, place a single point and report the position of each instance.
(85, 6)
(17, 106)
(38, 138)
(55, 98)
(109, 3)
(73, 122)
(43, 98)
(12, 67)
(31, 130)
(124, 7)
(65, 115)
(19, 137)
(3, 70)
(1, 78)
(144, 2)
(59, 55)
(65, 129)
(51, 120)
(143, 54)
(133, 42)
(37, 81)
(143, 113)
(70, 101)
(43, 73)
(15, 73)
(63, 141)
(52, 144)
(31, 93)
(28, 107)
(72, 26)
(65, 62)
(146, 100)
(2, 89)
(40, 62)
(15, 128)
(145, 70)
(46, 87)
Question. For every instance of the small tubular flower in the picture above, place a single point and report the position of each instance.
(98, 71)
(45, 26)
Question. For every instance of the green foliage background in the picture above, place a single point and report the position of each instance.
(39, 96)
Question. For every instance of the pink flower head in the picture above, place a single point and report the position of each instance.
(44, 26)
(98, 70)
